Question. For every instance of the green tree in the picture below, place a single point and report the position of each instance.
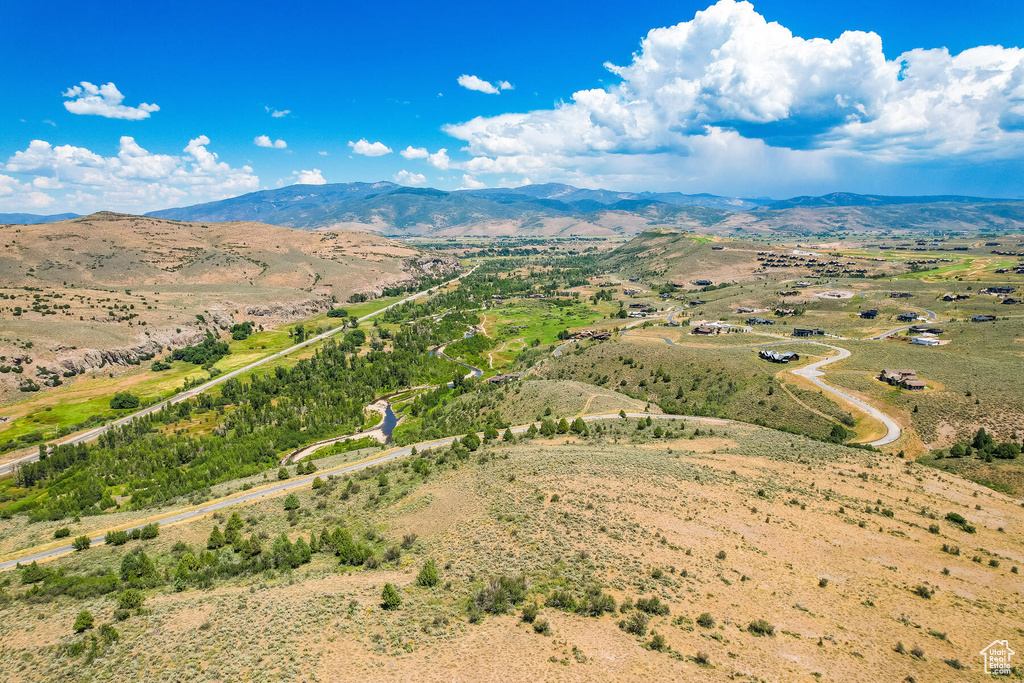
(429, 576)
(390, 599)
(563, 427)
(547, 427)
(123, 401)
(839, 434)
(109, 633)
(130, 599)
(234, 523)
(471, 441)
(83, 621)
(282, 474)
(983, 440)
(508, 436)
(216, 539)
(291, 502)
(531, 432)
(80, 543)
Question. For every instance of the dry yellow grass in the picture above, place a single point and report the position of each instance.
(785, 511)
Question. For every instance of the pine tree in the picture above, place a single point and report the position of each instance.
(428, 576)
(216, 539)
(83, 621)
(390, 599)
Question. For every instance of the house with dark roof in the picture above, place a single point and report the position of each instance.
(800, 332)
(869, 315)
(982, 318)
(778, 356)
(907, 317)
(905, 379)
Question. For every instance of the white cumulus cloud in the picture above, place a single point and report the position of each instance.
(480, 85)
(314, 177)
(104, 100)
(439, 159)
(404, 177)
(730, 99)
(411, 152)
(369, 149)
(277, 114)
(265, 141)
(471, 183)
(135, 179)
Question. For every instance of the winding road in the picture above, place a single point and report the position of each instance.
(814, 374)
(93, 433)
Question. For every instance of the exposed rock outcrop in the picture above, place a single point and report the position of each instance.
(289, 309)
(89, 359)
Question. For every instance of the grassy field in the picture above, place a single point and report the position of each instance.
(826, 545)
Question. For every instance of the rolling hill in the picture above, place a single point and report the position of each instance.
(396, 210)
(34, 218)
(564, 210)
(102, 289)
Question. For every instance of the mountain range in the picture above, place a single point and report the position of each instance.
(562, 210)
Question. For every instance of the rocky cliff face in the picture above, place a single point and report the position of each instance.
(434, 265)
(417, 268)
(82, 360)
(290, 309)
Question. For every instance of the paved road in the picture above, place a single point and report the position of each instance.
(299, 482)
(93, 433)
(814, 374)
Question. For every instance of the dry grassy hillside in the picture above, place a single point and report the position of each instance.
(113, 281)
(838, 552)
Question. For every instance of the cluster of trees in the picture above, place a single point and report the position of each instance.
(241, 331)
(262, 417)
(208, 351)
(124, 401)
(984, 447)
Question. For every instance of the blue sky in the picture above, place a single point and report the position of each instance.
(736, 100)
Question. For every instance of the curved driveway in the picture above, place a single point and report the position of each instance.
(813, 373)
